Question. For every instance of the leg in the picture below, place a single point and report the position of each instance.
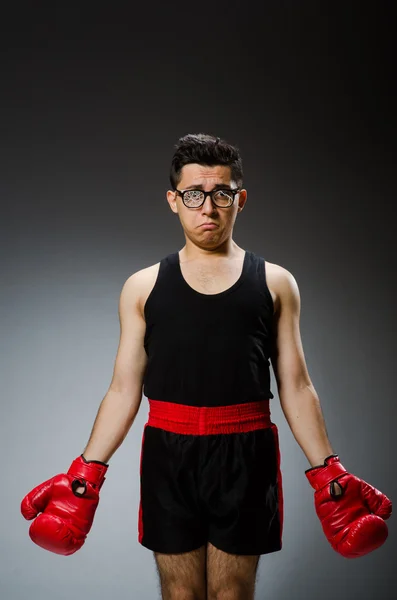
(230, 576)
(182, 576)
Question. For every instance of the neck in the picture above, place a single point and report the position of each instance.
(227, 250)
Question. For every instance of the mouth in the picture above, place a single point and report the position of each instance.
(209, 225)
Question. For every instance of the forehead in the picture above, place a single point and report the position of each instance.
(193, 174)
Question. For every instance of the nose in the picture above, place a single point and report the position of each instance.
(208, 207)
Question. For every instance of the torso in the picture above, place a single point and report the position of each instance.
(209, 278)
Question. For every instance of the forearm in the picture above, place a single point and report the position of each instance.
(115, 416)
(303, 413)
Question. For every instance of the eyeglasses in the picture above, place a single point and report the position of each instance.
(196, 198)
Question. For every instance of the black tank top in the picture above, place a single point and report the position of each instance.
(208, 349)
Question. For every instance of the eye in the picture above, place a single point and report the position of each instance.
(192, 194)
(223, 193)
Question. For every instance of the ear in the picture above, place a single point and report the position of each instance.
(171, 199)
(242, 199)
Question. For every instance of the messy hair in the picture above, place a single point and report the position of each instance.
(205, 149)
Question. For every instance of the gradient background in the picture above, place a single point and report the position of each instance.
(92, 101)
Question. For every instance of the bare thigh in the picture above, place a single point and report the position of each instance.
(183, 575)
(230, 576)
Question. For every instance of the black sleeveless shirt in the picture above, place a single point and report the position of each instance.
(208, 349)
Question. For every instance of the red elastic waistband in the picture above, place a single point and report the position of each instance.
(203, 420)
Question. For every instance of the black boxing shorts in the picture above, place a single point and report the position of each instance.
(210, 475)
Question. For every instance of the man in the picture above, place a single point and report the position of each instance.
(198, 332)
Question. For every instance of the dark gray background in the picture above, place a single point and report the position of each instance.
(93, 99)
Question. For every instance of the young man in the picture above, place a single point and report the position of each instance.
(198, 332)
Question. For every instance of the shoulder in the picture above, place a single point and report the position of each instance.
(139, 285)
(282, 285)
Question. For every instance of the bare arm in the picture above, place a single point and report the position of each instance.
(120, 406)
(298, 398)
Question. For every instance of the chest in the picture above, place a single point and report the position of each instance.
(211, 279)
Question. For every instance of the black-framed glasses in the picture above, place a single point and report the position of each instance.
(196, 198)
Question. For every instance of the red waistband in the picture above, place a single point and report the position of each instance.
(204, 420)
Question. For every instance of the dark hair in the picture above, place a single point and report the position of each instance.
(207, 150)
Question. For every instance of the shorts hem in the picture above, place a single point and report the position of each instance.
(233, 549)
(173, 550)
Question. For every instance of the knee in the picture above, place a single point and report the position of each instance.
(226, 595)
(181, 592)
(232, 592)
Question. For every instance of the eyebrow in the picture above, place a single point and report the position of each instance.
(199, 186)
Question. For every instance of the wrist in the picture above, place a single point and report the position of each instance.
(323, 464)
(89, 459)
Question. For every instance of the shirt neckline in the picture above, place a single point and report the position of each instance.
(235, 285)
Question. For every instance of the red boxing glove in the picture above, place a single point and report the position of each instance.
(66, 514)
(353, 520)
